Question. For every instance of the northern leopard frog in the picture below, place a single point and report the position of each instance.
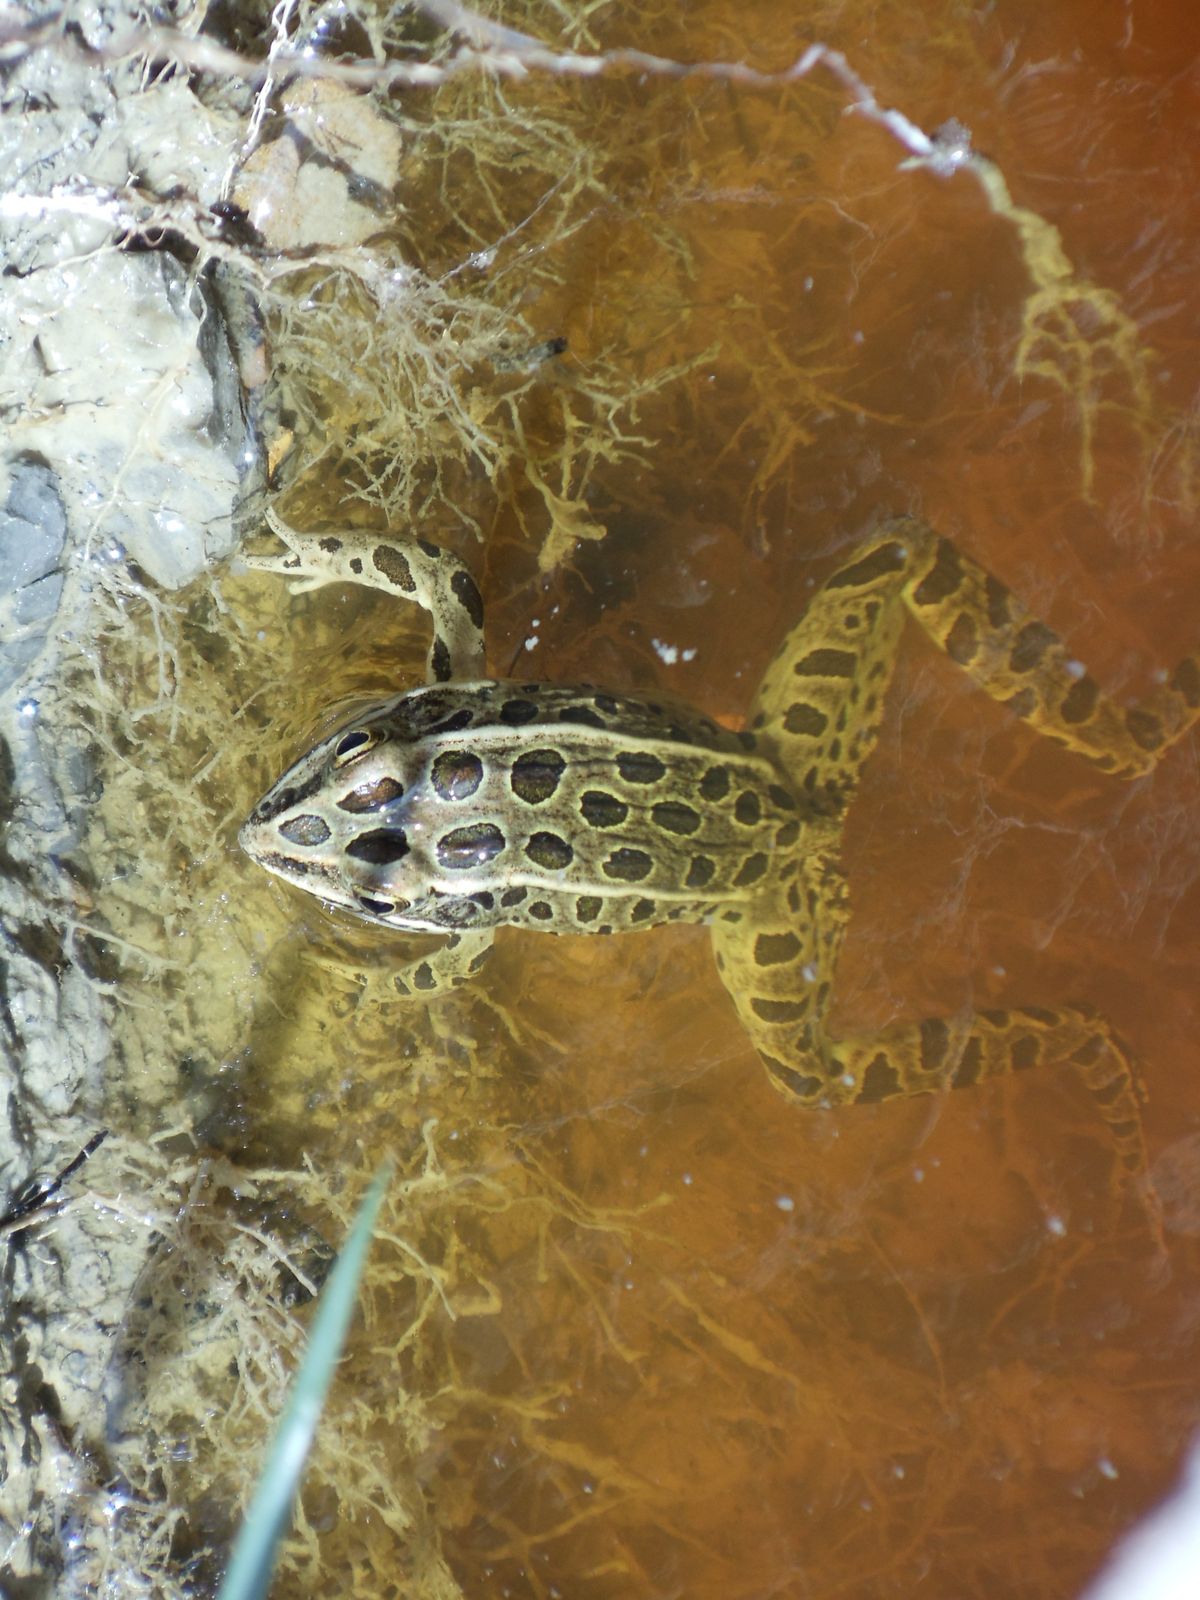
(472, 803)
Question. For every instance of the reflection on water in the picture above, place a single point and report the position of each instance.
(668, 1336)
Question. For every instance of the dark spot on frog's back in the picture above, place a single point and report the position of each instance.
(536, 775)
(585, 716)
(1145, 728)
(962, 642)
(456, 774)
(674, 817)
(373, 796)
(454, 723)
(381, 848)
(628, 866)
(716, 783)
(600, 810)
(700, 872)
(773, 949)
(548, 851)
(517, 712)
(751, 870)
(638, 766)
(305, 830)
(1080, 700)
(879, 1082)
(748, 808)
(472, 846)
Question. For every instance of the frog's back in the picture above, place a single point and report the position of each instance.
(554, 806)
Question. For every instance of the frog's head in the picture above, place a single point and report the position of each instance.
(337, 822)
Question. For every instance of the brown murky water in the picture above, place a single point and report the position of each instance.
(686, 1341)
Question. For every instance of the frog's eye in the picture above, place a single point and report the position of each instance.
(354, 744)
(377, 908)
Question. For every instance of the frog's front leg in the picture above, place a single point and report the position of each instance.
(447, 966)
(414, 569)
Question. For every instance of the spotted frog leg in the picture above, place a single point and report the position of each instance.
(818, 713)
(413, 569)
(436, 580)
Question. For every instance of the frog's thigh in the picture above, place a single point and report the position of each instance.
(777, 959)
(820, 702)
(936, 1054)
(445, 967)
(1021, 662)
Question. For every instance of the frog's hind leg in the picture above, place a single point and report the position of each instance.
(778, 960)
(819, 707)
(927, 1057)
(780, 972)
(1018, 660)
(821, 699)
(779, 965)
(820, 702)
